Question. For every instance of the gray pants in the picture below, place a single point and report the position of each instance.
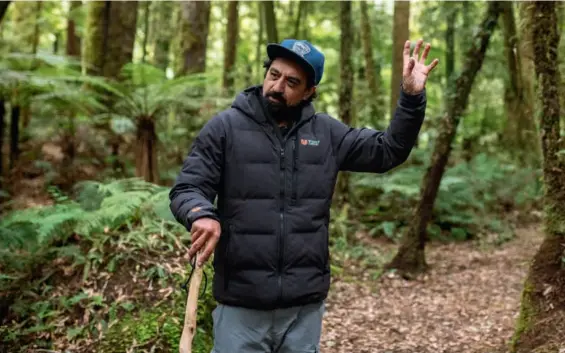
(292, 330)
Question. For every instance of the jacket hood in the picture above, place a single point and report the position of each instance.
(249, 102)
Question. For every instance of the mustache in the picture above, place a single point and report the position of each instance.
(277, 95)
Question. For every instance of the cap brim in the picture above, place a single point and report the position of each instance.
(278, 51)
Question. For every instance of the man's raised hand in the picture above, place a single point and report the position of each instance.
(415, 71)
(205, 233)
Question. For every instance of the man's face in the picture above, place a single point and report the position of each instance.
(285, 84)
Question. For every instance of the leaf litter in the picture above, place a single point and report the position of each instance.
(467, 302)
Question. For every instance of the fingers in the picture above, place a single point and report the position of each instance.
(408, 68)
(406, 52)
(198, 240)
(425, 53)
(417, 48)
(433, 65)
(208, 250)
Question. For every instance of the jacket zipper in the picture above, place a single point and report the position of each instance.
(281, 235)
(294, 170)
(282, 200)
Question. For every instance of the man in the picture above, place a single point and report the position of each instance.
(273, 163)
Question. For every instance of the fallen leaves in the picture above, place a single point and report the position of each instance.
(468, 302)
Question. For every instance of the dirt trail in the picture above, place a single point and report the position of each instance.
(467, 303)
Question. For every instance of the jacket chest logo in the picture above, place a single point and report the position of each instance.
(306, 142)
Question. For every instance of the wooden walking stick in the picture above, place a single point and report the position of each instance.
(190, 314)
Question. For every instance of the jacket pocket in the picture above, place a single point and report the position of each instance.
(294, 182)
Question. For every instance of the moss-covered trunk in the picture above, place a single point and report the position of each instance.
(163, 15)
(195, 22)
(520, 132)
(230, 46)
(372, 75)
(345, 87)
(259, 45)
(542, 315)
(400, 33)
(410, 258)
(73, 40)
(3, 8)
(2, 133)
(451, 10)
(299, 17)
(270, 21)
(110, 28)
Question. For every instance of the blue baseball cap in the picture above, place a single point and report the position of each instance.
(301, 51)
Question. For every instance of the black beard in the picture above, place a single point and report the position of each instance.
(279, 109)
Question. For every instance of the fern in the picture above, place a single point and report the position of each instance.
(470, 194)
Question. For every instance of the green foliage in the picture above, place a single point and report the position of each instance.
(161, 326)
(474, 197)
(100, 232)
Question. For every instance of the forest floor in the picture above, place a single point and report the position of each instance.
(467, 302)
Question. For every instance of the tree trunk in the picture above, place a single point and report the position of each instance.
(110, 28)
(520, 132)
(541, 322)
(400, 34)
(23, 17)
(38, 6)
(270, 21)
(146, 14)
(371, 73)
(451, 19)
(230, 46)
(410, 258)
(194, 28)
(346, 86)
(3, 8)
(259, 48)
(146, 151)
(299, 17)
(73, 40)
(163, 14)
(2, 133)
(14, 135)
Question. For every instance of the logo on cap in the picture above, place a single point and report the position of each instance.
(300, 48)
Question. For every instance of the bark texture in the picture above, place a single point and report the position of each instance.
(372, 74)
(73, 40)
(195, 22)
(270, 20)
(230, 46)
(346, 86)
(410, 258)
(520, 134)
(400, 34)
(146, 150)
(163, 14)
(541, 324)
(111, 27)
(3, 8)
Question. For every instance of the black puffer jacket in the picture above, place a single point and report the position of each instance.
(274, 194)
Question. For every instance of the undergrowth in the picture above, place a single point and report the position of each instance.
(475, 198)
(80, 274)
(69, 272)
